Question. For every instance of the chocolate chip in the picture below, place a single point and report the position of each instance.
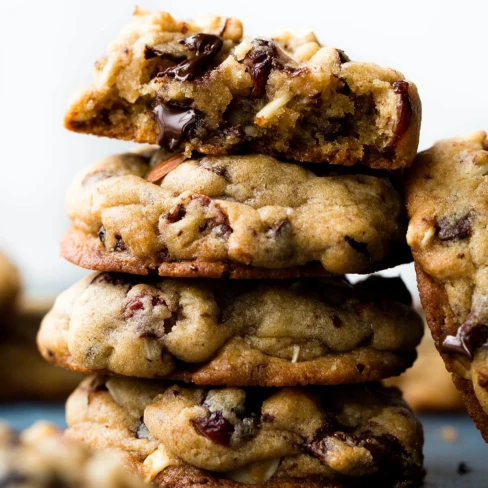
(175, 122)
(206, 48)
(261, 59)
(469, 336)
(449, 228)
(176, 214)
(336, 321)
(217, 169)
(360, 367)
(483, 380)
(102, 232)
(404, 111)
(216, 428)
(463, 468)
(120, 244)
(267, 418)
(343, 57)
(360, 247)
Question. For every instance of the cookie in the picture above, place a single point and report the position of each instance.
(198, 85)
(32, 378)
(446, 194)
(428, 374)
(180, 436)
(41, 457)
(10, 285)
(280, 333)
(237, 216)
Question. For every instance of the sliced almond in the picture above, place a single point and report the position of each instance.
(296, 353)
(428, 235)
(165, 167)
(268, 110)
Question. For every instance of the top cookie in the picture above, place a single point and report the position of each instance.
(41, 457)
(447, 202)
(200, 86)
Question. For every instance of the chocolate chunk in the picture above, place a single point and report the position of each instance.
(206, 48)
(120, 244)
(217, 169)
(449, 228)
(336, 321)
(470, 335)
(267, 418)
(343, 57)
(261, 59)
(154, 52)
(483, 380)
(403, 109)
(360, 367)
(360, 247)
(176, 214)
(216, 428)
(174, 123)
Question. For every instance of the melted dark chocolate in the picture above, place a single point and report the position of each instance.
(404, 110)
(264, 56)
(470, 335)
(206, 48)
(174, 123)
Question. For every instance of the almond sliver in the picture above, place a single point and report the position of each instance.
(165, 167)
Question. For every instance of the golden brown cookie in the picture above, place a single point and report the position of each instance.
(349, 435)
(237, 216)
(448, 208)
(281, 333)
(31, 378)
(42, 457)
(198, 85)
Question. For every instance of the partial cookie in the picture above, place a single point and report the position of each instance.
(237, 216)
(447, 203)
(31, 378)
(10, 284)
(41, 457)
(197, 85)
(234, 333)
(312, 437)
(427, 375)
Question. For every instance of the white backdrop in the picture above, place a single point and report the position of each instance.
(48, 48)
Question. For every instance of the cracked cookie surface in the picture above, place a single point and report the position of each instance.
(238, 216)
(336, 436)
(447, 204)
(277, 333)
(198, 85)
(42, 457)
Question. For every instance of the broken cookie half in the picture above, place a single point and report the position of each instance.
(201, 86)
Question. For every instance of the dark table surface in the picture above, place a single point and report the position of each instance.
(449, 441)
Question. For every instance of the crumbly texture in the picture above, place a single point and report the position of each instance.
(319, 436)
(32, 378)
(41, 457)
(427, 375)
(446, 196)
(10, 285)
(243, 216)
(233, 333)
(199, 85)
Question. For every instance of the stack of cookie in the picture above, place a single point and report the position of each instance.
(233, 351)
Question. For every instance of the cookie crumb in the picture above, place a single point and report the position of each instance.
(449, 434)
(463, 468)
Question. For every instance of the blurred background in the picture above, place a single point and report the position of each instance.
(48, 48)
